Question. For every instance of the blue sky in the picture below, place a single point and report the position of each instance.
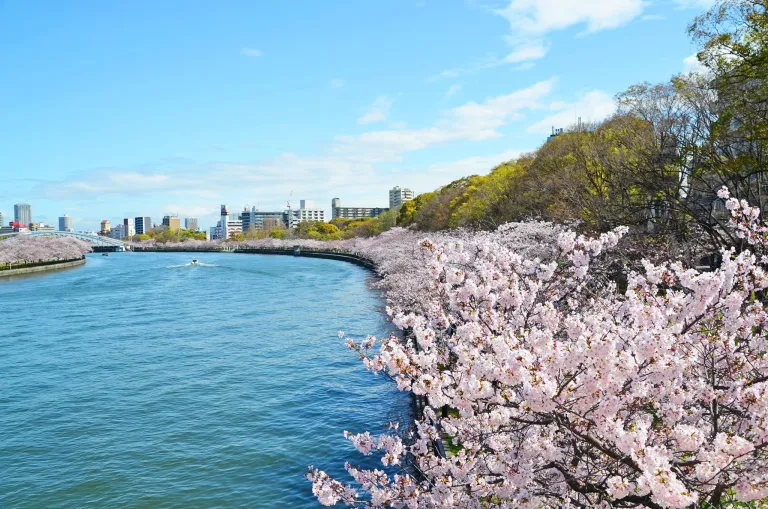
(126, 108)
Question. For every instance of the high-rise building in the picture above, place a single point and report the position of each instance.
(354, 212)
(129, 228)
(22, 213)
(2, 221)
(142, 224)
(399, 196)
(106, 226)
(190, 223)
(172, 222)
(65, 224)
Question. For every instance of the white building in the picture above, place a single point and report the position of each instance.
(65, 224)
(308, 212)
(129, 229)
(398, 196)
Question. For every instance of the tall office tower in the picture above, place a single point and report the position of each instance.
(142, 224)
(22, 213)
(65, 224)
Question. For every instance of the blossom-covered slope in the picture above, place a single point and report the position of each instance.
(23, 248)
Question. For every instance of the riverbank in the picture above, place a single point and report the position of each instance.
(42, 267)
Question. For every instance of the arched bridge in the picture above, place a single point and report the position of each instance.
(105, 243)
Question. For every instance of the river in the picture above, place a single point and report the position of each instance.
(139, 381)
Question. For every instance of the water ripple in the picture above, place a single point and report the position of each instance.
(125, 383)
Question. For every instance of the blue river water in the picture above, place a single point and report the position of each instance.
(139, 381)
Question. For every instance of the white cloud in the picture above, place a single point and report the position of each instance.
(452, 90)
(652, 17)
(691, 64)
(591, 107)
(251, 52)
(378, 111)
(471, 121)
(533, 50)
(336, 83)
(107, 181)
(538, 17)
(475, 165)
(531, 20)
(524, 66)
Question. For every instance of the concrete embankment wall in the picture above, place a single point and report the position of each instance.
(308, 253)
(42, 268)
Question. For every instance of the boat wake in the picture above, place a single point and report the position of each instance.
(198, 264)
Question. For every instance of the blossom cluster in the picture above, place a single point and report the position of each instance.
(555, 386)
(23, 248)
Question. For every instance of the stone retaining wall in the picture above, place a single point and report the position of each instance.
(42, 268)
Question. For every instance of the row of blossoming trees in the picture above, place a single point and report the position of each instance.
(23, 249)
(554, 386)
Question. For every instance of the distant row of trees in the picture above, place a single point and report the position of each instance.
(166, 234)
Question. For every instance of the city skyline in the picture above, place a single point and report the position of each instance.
(203, 112)
(306, 210)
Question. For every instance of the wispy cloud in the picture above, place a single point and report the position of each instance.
(529, 17)
(531, 20)
(452, 90)
(691, 64)
(251, 52)
(474, 165)
(336, 83)
(525, 52)
(378, 111)
(590, 107)
(470, 122)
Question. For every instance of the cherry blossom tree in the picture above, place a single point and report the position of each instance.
(549, 386)
(23, 248)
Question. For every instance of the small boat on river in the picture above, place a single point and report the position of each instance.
(195, 262)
